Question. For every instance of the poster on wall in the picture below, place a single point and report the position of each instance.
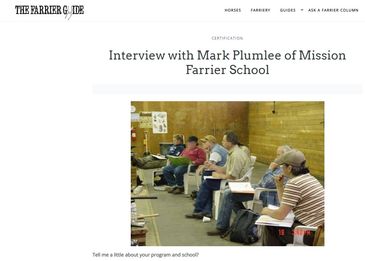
(159, 122)
(145, 120)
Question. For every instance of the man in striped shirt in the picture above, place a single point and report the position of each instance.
(302, 193)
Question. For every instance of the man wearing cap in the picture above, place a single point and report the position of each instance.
(238, 163)
(303, 194)
(174, 175)
(217, 154)
(233, 201)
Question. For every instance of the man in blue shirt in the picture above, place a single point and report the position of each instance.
(233, 201)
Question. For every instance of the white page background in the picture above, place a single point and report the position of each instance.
(65, 119)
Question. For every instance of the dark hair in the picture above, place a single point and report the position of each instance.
(193, 139)
(299, 170)
(232, 138)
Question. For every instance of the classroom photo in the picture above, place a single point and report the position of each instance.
(227, 173)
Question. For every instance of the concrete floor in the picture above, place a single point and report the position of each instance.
(171, 228)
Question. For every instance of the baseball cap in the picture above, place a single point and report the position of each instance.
(209, 138)
(294, 158)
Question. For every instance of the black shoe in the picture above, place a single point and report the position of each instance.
(134, 161)
(216, 232)
(194, 194)
(195, 215)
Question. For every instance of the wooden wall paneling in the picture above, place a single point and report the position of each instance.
(299, 124)
(194, 118)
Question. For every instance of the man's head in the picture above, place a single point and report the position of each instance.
(293, 163)
(279, 152)
(178, 139)
(230, 139)
(192, 142)
(282, 149)
(208, 142)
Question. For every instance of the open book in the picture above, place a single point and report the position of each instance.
(265, 220)
(161, 157)
(210, 177)
(241, 187)
(178, 161)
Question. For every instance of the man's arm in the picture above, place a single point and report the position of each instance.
(279, 213)
(279, 182)
(200, 169)
(222, 176)
(267, 179)
(288, 198)
(216, 168)
(237, 165)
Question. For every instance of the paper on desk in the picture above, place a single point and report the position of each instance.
(162, 157)
(210, 177)
(265, 220)
(241, 187)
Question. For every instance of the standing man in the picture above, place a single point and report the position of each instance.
(174, 175)
(238, 163)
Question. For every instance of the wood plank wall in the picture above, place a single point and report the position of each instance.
(194, 118)
(298, 124)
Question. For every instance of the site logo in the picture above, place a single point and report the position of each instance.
(67, 11)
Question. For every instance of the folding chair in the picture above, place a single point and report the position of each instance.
(256, 204)
(188, 176)
(253, 160)
(217, 193)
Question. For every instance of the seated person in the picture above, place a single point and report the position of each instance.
(174, 175)
(267, 180)
(233, 201)
(150, 162)
(238, 163)
(178, 146)
(217, 154)
(302, 193)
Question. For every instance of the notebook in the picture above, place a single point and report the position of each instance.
(161, 157)
(265, 220)
(178, 161)
(241, 187)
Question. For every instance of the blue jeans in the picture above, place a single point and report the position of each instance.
(175, 175)
(204, 198)
(230, 201)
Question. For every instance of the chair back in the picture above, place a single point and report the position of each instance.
(253, 160)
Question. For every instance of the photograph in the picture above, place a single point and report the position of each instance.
(227, 173)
